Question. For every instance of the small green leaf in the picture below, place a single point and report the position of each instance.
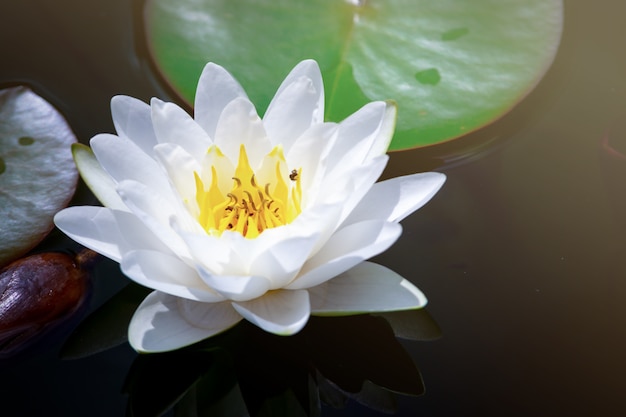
(37, 173)
(452, 66)
(99, 182)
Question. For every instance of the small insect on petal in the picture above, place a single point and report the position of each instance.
(39, 292)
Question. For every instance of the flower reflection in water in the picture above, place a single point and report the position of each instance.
(246, 371)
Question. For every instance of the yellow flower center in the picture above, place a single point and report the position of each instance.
(250, 208)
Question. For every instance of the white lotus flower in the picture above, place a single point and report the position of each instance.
(229, 216)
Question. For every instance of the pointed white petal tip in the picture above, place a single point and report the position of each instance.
(366, 288)
(212, 66)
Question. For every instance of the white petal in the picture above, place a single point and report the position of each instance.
(131, 118)
(364, 182)
(208, 315)
(281, 312)
(122, 160)
(385, 131)
(167, 274)
(351, 186)
(163, 322)
(180, 167)
(345, 249)
(236, 287)
(319, 221)
(212, 253)
(298, 104)
(367, 287)
(156, 213)
(97, 179)
(108, 232)
(136, 234)
(240, 124)
(173, 125)
(360, 134)
(396, 198)
(309, 153)
(281, 262)
(216, 88)
(316, 139)
(309, 69)
(92, 227)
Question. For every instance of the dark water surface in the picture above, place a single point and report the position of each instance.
(522, 254)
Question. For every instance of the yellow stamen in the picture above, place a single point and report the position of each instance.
(249, 208)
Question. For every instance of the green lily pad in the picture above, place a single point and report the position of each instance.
(37, 174)
(451, 65)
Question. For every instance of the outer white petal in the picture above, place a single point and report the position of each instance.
(396, 198)
(281, 312)
(131, 118)
(216, 88)
(309, 69)
(167, 274)
(163, 322)
(362, 135)
(345, 249)
(173, 125)
(235, 287)
(137, 235)
(108, 232)
(93, 227)
(239, 124)
(97, 179)
(122, 160)
(367, 287)
(297, 105)
(385, 131)
(290, 113)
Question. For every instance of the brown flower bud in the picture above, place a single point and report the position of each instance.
(39, 292)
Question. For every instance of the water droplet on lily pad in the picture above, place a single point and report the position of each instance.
(428, 76)
(454, 34)
(26, 141)
(38, 173)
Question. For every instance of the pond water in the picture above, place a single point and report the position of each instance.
(521, 254)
